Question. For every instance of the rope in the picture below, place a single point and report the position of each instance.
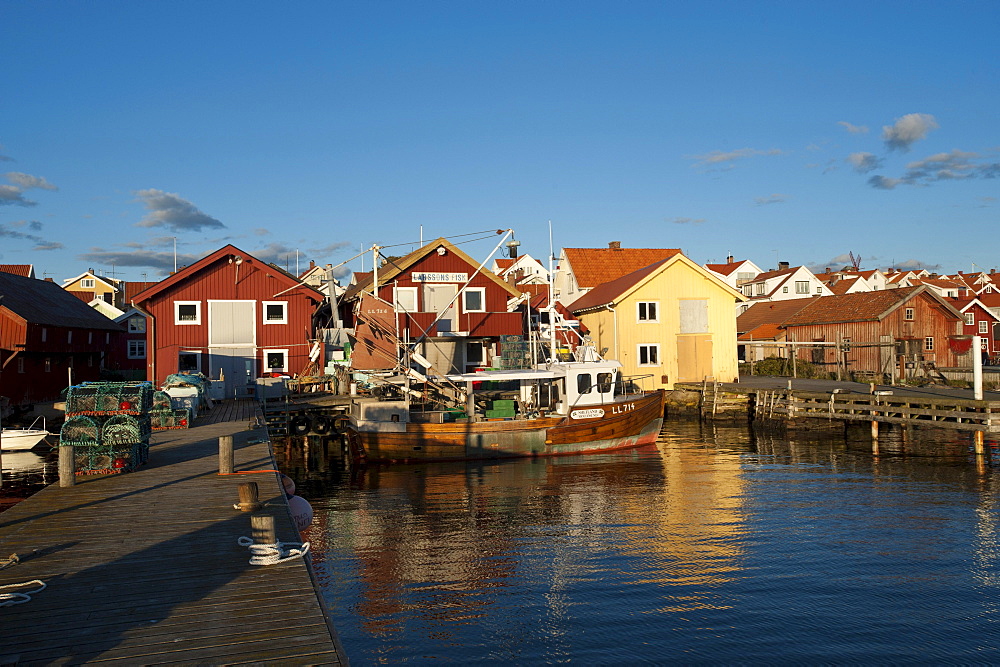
(272, 554)
(9, 599)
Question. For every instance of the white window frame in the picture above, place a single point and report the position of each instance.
(482, 299)
(819, 289)
(87, 283)
(760, 289)
(784, 290)
(197, 355)
(928, 343)
(197, 313)
(984, 326)
(406, 290)
(970, 319)
(802, 287)
(647, 319)
(909, 314)
(136, 349)
(284, 312)
(263, 360)
(643, 349)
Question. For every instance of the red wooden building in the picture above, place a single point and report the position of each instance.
(440, 279)
(48, 338)
(901, 332)
(979, 321)
(230, 316)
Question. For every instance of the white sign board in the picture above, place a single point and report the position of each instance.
(435, 277)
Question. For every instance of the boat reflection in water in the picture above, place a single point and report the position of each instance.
(711, 546)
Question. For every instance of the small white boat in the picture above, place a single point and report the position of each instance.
(22, 439)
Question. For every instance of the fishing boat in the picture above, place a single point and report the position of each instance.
(575, 407)
(22, 439)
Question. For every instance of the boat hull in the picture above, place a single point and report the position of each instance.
(603, 428)
(20, 439)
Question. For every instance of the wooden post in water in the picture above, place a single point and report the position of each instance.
(67, 465)
(262, 529)
(980, 443)
(226, 465)
(874, 421)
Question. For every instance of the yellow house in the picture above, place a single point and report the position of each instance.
(672, 321)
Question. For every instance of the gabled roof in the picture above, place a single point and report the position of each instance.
(614, 290)
(770, 312)
(387, 273)
(727, 269)
(208, 260)
(46, 303)
(965, 303)
(862, 306)
(842, 286)
(110, 282)
(594, 266)
(26, 270)
(134, 287)
(86, 297)
(763, 332)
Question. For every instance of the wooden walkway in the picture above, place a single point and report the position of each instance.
(144, 568)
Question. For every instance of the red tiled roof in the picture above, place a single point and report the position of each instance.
(858, 307)
(504, 263)
(724, 269)
(770, 312)
(86, 297)
(841, 286)
(609, 291)
(594, 266)
(764, 332)
(24, 270)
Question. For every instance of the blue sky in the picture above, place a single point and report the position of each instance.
(771, 131)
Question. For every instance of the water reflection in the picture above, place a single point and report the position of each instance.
(717, 544)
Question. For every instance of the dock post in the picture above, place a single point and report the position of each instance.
(979, 443)
(226, 466)
(67, 465)
(262, 529)
(249, 497)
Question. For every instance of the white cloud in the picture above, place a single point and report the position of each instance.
(11, 194)
(772, 199)
(27, 181)
(720, 157)
(864, 162)
(173, 212)
(908, 129)
(853, 129)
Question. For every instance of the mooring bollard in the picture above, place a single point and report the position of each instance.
(67, 465)
(262, 529)
(249, 497)
(226, 466)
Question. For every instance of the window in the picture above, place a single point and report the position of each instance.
(87, 283)
(760, 289)
(275, 312)
(970, 318)
(108, 297)
(276, 361)
(908, 314)
(819, 289)
(984, 344)
(474, 299)
(802, 287)
(584, 383)
(406, 299)
(604, 382)
(649, 355)
(748, 290)
(744, 275)
(137, 349)
(137, 324)
(48, 365)
(984, 326)
(474, 353)
(784, 290)
(69, 337)
(647, 311)
(929, 343)
(45, 334)
(20, 364)
(187, 312)
(189, 361)
(90, 337)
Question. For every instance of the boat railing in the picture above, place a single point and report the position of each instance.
(629, 385)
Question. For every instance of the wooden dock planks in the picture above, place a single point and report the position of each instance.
(145, 568)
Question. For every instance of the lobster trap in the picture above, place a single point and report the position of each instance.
(109, 398)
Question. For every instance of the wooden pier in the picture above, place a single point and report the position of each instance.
(145, 568)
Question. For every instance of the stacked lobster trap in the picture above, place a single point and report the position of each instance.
(109, 425)
(165, 416)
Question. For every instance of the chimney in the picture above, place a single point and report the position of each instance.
(615, 245)
(312, 265)
(729, 259)
(782, 266)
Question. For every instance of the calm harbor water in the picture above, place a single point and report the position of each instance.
(710, 547)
